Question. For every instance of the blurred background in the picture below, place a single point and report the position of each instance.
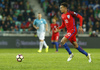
(17, 17)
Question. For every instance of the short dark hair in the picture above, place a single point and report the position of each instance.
(64, 4)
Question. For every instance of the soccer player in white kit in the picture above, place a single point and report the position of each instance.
(41, 25)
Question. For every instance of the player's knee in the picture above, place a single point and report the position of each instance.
(56, 40)
(41, 40)
(76, 46)
(62, 42)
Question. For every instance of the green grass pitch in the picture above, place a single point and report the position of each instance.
(48, 61)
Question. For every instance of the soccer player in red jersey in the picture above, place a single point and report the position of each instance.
(55, 35)
(68, 21)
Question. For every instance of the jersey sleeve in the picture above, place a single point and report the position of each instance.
(34, 23)
(62, 26)
(74, 14)
(45, 21)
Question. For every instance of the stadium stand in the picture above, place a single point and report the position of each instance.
(89, 9)
(16, 15)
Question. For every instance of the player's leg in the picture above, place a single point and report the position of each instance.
(63, 41)
(46, 46)
(43, 37)
(80, 49)
(57, 45)
(56, 42)
(40, 46)
(52, 40)
(53, 43)
(44, 43)
(41, 42)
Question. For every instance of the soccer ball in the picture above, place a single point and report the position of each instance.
(19, 57)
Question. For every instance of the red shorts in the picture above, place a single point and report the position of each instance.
(71, 35)
(55, 37)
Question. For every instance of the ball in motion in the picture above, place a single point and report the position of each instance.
(19, 57)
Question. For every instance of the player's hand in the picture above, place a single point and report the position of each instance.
(57, 30)
(46, 29)
(50, 32)
(80, 29)
(37, 27)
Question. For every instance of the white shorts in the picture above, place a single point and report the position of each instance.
(41, 35)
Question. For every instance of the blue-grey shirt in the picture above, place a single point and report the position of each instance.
(41, 24)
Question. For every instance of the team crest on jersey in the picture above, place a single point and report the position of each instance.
(68, 34)
(75, 13)
(68, 16)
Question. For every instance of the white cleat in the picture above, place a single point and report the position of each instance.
(70, 57)
(89, 57)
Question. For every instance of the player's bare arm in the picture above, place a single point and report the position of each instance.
(35, 27)
(80, 29)
(46, 27)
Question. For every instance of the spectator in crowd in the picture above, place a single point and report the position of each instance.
(90, 31)
(6, 12)
(13, 12)
(3, 17)
(92, 18)
(14, 18)
(23, 25)
(13, 23)
(97, 26)
(1, 29)
(56, 9)
(21, 6)
(93, 34)
(90, 12)
(20, 17)
(89, 9)
(90, 23)
(91, 4)
(32, 13)
(16, 6)
(49, 9)
(2, 4)
(1, 10)
(84, 26)
(45, 5)
(84, 6)
(51, 15)
(27, 5)
(96, 5)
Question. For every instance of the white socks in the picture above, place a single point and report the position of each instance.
(41, 45)
(44, 43)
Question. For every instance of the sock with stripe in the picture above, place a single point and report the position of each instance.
(67, 48)
(56, 44)
(82, 51)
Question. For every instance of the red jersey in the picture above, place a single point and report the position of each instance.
(68, 20)
(53, 28)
